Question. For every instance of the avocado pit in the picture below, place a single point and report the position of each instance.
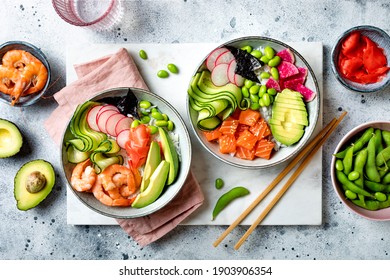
(35, 182)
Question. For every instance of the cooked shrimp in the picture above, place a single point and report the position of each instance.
(83, 176)
(101, 195)
(110, 172)
(18, 59)
(8, 78)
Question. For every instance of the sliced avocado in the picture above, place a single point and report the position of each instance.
(152, 161)
(290, 93)
(290, 115)
(291, 106)
(155, 188)
(286, 135)
(286, 124)
(30, 188)
(11, 139)
(170, 155)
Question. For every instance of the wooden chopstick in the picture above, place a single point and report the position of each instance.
(277, 180)
(287, 185)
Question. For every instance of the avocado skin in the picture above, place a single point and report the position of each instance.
(14, 146)
(24, 199)
(170, 155)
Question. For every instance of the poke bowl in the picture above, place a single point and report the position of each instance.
(253, 102)
(23, 58)
(139, 156)
(372, 201)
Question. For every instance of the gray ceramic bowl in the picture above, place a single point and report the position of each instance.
(185, 152)
(379, 215)
(20, 45)
(378, 36)
(284, 153)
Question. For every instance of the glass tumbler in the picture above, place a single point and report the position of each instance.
(93, 14)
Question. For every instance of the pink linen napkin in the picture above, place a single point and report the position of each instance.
(119, 70)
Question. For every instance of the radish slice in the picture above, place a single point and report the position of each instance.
(111, 123)
(210, 61)
(91, 117)
(219, 75)
(239, 80)
(231, 71)
(225, 57)
(102, 119)
(123, 124)
(106, 107)
(123, 137)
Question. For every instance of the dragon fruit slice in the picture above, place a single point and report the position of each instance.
(287, 69)
(271, 83)
(286, 55)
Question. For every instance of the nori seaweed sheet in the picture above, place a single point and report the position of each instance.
(246, 63)
(127, 105)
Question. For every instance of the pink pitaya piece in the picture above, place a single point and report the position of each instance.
(287, 69)
(286, 55)
(308, 94)
(271, 83)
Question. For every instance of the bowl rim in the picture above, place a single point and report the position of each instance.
(186, 170)
(316, 116)
(335, 54)
(344, 140)
(44, 60)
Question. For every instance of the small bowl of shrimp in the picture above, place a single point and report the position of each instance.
(24, 73)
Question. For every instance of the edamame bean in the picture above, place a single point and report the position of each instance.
(271, 91)
(380, 196)
(386, 178)
(386, 137)
(264, 59)
(153, 129)
(145, 119)
(353, 176)
(248, 83)
(274, 73)
(266, 99)
(219, 183)
(256, 53)
(254, 98)
(135, 123)
(145, 104)
(227, 198)
(261, 102)
(339, 165)
(247, 49)
(254, 89)
(269, 52)
(265, 75)
(348, 161)
(350, 194)
(274, 61)
(161, 123)
(170, 125)
(172, 68)
(385, 204)
(163, 74)
(165, 117)
(343, 179)
(157, 115)
(370, 167)
(143, 54)
(359, 144)
(263, 89)
(255, 106)
(245, 91)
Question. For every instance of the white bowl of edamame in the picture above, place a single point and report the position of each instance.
(360, 170)
(252, 74)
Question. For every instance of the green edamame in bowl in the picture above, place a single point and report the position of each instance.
(360, 170)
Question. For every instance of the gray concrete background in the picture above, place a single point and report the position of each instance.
(42, 233)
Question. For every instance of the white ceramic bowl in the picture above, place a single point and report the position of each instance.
(170, 192)
(379, 215)
(284, 153)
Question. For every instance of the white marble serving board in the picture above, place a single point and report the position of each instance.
(301, 205)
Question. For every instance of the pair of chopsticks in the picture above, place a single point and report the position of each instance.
(309, 151)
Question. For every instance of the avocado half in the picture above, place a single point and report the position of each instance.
(11, 139)
(25, 199)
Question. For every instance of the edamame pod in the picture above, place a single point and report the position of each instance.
(386, 137)
(227, 198)
(360, 162)
(348, 161)
(372, 205)
(359, 144)
(377, 187)
(370, 167)
(378, 142)
(343, 179)
(383, 156)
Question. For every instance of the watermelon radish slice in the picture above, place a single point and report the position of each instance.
(102, 119)
(225, 57)
(272, 83)
(239, 80)
(287, 69)
(210, 61)
(123, 137)
(91, 117)
(232, 71)
(111, 123)
(219, 75)
(286, 55)
(308, 94)
(123, 124)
